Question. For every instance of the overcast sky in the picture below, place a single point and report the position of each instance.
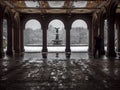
(34, 24)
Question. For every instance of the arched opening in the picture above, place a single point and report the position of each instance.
(56, 36)
(5, 34)
(79, 36)
(105, 34)
(116, 38)
(32, 36)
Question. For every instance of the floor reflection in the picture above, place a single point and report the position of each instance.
(59, 74)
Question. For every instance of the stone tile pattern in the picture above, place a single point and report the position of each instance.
(59, 74)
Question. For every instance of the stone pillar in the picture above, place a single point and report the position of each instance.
(118, 33)
(101, 28)
(16, 36)
(111, 35)
(118, 39)
(68, 50)
(94, 33)
(9, 51)
(22, 40)
(44, 46)
(1, 35)
(90, 40)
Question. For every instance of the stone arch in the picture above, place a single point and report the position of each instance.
(80, 20)
(53, 17)
(34, 20)
(111, 9)
(33, 26)
(25, 18)
(104, 11)
(57, 20)
(5, 9)
(95, 23)
(56, 24)
(86, 18)
(79, 34)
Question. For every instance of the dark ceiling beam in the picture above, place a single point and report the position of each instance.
(42, 5)
(67, 5)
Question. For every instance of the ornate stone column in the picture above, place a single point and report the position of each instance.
(9, 51)
(90, 39)
(1, 33)
(44, 46)
(101, 32)
(22, 39)
(16, 35)
(111, 35)
(118, 33)
(68, 50)
(94, 32)
(111, 12)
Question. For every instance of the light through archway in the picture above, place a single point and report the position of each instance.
(57, 23)
(79, 23)
(56, 36)
(5, 28)
(79, 35)
(33, 34)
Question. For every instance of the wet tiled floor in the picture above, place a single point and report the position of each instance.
(58, 73)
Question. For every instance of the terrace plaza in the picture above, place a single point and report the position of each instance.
(60, 67)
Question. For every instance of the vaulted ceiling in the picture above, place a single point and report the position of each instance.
(55, 6)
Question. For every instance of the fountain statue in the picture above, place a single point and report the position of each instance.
(57, 41)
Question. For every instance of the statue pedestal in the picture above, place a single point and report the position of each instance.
(57, 42)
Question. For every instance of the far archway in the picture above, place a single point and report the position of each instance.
(79, 36)
(32, 34)
(5, 28)
(56, 36)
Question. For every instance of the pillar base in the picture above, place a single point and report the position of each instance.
(2, 54)
(22, 54)
(90, 54)
(103, 52)
(9, 53)
(111, 54)
(68, 54)
(44, 54)
(17, 54)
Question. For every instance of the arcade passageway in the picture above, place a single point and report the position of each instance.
(66, 70)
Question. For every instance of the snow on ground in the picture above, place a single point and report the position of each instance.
(56, 49)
